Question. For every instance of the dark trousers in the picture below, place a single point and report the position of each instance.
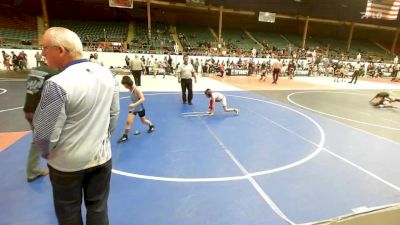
(68, 187)
(187, 84)
(355, 76)
(137, 75)
(275, 75)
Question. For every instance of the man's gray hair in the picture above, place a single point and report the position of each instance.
(66, 38)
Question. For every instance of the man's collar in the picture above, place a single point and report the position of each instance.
(73, 62)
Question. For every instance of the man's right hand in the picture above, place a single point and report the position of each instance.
(29, 117)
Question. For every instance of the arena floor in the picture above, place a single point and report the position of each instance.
(301, 151)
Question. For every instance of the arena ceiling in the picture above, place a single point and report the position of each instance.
(344, 10)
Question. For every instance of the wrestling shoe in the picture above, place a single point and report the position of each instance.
(151, 129)
(123, 138)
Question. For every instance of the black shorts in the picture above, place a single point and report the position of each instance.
(140, 113)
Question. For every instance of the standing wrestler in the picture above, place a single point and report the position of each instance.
(136, 108)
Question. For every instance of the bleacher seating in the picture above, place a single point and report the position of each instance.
(237, 39)
(160, 41)
(367, 47)
(21, 29)
(334, 44)
(295, 39)
(269, 39)
(17, 29)
(15, 34)
(95, 31)
(196, 38)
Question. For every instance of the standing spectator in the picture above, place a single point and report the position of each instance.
(396, 60)
(155, 67)
(95, 59)
(396, 69)
(127, 61)
(185, 74)
(35, 81)
(38, 58)
(254, 52)
(6, 60)
(136, 67)
(15, 61)
(176, 48)
(196, 65)
(76, 116)
(170, 67)
(359, 57)
(291, 69)
(22, 60)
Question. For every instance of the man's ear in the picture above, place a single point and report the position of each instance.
(63, 50)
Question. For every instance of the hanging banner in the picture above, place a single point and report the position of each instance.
(266, 17)
(121, 3)
(195, 2)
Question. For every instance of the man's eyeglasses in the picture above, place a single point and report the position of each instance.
(45, 48)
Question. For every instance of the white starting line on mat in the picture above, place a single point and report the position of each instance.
(191, 114)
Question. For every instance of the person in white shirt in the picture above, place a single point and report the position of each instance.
(218, 97)
(395, 60)
(276, 69)
(185, 74)
(77, 113)
(254, 52)
(176, 48)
